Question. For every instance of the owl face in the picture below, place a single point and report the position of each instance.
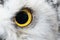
(27, 20)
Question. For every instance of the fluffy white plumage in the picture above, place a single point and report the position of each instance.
(44, 25)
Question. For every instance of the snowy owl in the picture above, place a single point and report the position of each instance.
(29, 19)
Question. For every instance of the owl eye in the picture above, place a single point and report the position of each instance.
(23, 17)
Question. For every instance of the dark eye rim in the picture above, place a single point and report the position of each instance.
(29, 13)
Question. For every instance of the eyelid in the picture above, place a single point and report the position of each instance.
(29, 9)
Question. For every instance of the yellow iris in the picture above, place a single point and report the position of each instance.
(28, 21)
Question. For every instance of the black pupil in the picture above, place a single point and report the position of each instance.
(21, 17)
